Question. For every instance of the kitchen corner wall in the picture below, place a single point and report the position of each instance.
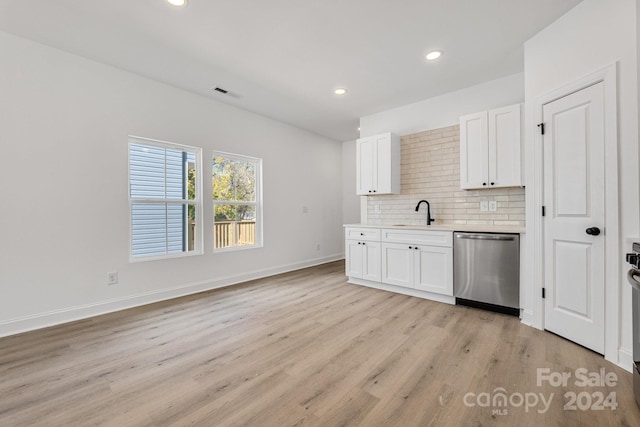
(430, 169)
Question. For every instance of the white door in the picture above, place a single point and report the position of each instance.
(397, 264)
(574, 201)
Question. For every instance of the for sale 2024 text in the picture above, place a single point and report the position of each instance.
(582, 377)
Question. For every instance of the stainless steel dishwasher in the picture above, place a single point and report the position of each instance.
(486, 271)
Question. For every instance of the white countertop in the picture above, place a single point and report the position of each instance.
(448, 227)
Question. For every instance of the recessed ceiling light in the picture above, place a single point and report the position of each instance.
(434, 54)
(178, 2)
(340, 91)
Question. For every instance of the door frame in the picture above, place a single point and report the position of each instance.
(534, 315)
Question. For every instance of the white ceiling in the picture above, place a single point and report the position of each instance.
(283, 58)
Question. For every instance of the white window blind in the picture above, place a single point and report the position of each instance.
(163, 198)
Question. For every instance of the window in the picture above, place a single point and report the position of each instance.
(237, 209)
(165, 199)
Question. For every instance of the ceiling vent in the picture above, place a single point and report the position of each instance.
(225, 92)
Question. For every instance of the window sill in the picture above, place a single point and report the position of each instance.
(236, 248)
(161, 257)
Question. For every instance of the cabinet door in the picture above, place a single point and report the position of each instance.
(504, 147)
(378, 165)
(365, 163)
(354, 253)
(387, 170)
(397, 264)
(474, 151)
(434, 269)
(371, 261)
(382, 172)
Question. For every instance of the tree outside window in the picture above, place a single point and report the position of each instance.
(236, 185)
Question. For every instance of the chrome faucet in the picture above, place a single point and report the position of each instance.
(429, 219)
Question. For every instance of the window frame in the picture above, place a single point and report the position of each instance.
(198, 248)
(259, 243)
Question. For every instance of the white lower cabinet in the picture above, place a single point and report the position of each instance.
(362, 253)
(397, 264)
(363, 260)
(433, 271)
(414, 262)
(426, 268)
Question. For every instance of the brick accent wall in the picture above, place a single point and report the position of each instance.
(430, 169)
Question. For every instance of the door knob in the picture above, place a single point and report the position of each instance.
(593, 231)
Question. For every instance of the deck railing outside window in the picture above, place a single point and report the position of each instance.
(226, 232)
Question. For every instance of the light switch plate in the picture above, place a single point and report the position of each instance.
(484, 206)
(493, 206)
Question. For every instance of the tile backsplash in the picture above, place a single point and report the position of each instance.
(430, 169)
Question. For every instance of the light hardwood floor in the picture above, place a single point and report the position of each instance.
(298, 349)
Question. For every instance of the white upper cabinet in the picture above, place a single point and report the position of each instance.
(378, 165)
(490, 149)
(474, 150)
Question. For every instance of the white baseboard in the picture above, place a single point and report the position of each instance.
(70, 314)
(625, 359)
(405, 291)
(527, 318)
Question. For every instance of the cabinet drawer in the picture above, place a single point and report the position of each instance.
(370, 234)
(431, 238)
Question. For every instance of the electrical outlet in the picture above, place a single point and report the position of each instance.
(493, 206)
(484, 206)
(112, 278)
(305, 209)
(377, 209)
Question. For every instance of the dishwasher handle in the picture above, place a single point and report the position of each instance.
(485, 237)
(632, 276)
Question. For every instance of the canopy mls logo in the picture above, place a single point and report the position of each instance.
(500, 401)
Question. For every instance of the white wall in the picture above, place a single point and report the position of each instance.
(64, 122)
(595, 34)
(350, 201)
(445, 110)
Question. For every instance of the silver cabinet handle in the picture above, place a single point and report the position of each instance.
(632, 276)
